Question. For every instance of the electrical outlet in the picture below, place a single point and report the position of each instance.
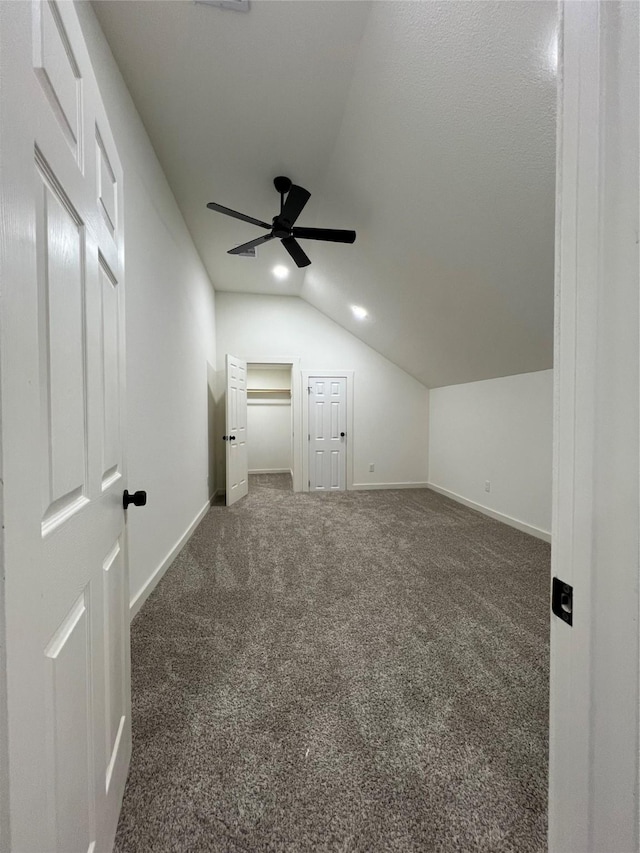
(372, 468)
(487, 486)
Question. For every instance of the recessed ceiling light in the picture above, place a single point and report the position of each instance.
(280, 272)
(359, 312)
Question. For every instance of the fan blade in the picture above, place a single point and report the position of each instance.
(333, 235)
(295, 203)
(221, 209)
(250, 245)
(295, 250)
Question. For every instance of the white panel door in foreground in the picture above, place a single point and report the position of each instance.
(327, 433)
(62, 358)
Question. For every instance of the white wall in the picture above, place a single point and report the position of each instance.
(170, 340)
(269, 420)
(269, 436)
(498, 430)
(390, 407)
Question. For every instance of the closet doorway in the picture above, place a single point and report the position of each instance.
(270, 419)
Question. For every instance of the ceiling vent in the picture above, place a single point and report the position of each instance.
(238, 5)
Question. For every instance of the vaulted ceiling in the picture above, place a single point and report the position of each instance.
(428, 127)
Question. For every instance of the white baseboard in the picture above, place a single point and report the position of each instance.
(372, 486)
(269, 470)
(147, 588)
(492, 513)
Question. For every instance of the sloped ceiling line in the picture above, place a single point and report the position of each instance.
(426, 127)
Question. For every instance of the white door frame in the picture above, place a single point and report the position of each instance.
(594, 713)
(304, 384)
(296, 455)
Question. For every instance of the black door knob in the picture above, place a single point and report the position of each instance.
(137, 499)
(225, 438)
(342, 434)
(232, 438)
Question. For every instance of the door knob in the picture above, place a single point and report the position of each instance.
(342, 434)
(137, 499)
(228, 438)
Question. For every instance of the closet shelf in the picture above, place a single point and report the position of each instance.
(269, 391)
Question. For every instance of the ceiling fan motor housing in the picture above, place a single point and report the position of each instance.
(281, 227)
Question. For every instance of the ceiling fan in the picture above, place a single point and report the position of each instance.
(283, 225)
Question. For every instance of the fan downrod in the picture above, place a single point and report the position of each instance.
(282, 184)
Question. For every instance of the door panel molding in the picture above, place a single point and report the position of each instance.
(70, 760)
(305, 376)
(56, 67)
(327, 437)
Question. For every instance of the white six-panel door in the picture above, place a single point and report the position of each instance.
(62, 369)
(327, 433)
(237, 458)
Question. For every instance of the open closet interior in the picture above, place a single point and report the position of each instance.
(269, 419)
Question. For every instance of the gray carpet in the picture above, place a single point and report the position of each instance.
(365, 671)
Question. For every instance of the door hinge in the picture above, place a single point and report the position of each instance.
(309, 389)
(309, 483)
(309, 437)
(562, 600)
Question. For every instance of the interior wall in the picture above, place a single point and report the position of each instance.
(390, 407)
(269, 419)
(170, 341)
(498, 431)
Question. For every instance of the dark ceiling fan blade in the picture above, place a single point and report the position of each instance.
(333, 235)
(221, 209)
(295, 250)
(250, 245)
(295, 203)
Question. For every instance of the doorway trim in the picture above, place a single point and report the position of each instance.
(303, 393)
(594, 711)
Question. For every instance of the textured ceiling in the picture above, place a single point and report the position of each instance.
(428, 127)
